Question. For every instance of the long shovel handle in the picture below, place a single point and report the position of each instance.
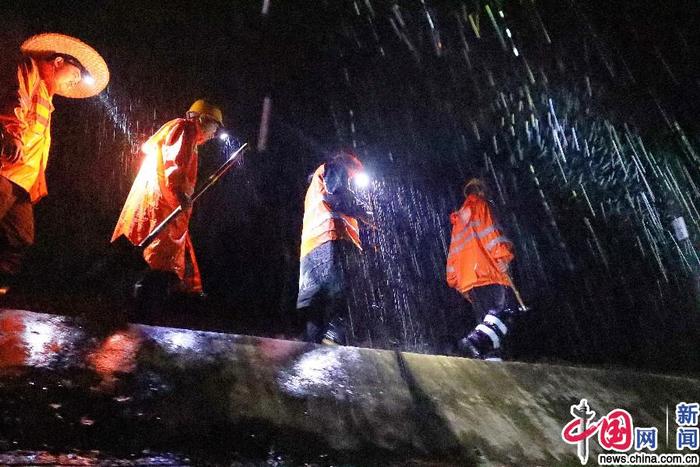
(519, 298)
(211, 181)
(160, 227)
(220, 172)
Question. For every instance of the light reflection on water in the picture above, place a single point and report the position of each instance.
(88, 458)
(40, 340)
(319, 372)
(178, 340)
(34, 340)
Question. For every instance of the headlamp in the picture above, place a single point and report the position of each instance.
(85, 77)
(362, 180)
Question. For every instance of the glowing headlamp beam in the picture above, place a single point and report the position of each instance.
(362, 180)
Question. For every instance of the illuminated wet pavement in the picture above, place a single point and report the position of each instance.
(142, 394)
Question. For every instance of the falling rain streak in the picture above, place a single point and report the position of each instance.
(578, 179)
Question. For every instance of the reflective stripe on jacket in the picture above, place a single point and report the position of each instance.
(476, 247)
(321, 222)
(169, 168)
(30, 122)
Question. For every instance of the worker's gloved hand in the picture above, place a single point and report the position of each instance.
(10, 148)
(502, 266)
(185, 201)
(364, 208)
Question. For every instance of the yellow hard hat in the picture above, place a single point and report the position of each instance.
(202, 107)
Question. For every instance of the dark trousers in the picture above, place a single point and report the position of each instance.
(495, 309)
(322, 298)
(491, 298)
(16, 226)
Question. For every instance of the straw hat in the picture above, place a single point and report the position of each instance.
(94, 64)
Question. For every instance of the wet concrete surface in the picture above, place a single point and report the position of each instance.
(132, 394)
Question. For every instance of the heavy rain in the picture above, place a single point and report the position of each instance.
(580, 116)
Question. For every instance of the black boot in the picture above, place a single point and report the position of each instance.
(468, 347)
(493, 356)
(335, 333)
(312, 332)
(153, 294)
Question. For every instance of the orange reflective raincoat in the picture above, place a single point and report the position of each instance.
(29, 120)
(169, 170)
(322, 223)
(479, 252)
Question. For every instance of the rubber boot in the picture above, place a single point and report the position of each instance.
(335, 333)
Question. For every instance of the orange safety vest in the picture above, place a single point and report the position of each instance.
(170, 167)
(321, 223)
(30, 122)
(476, 247)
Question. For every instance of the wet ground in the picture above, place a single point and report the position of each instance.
(72, 393)
(88, 458)
(75, 392)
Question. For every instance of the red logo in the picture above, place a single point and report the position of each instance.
(615, 430)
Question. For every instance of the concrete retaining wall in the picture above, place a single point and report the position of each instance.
(71, 384)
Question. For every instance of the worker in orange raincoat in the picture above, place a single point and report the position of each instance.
(166, 180)
(52, 64)
(330, 241)
(477, 266)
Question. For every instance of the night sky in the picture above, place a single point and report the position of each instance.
(428, 94)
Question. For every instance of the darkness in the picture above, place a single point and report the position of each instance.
(588, 136)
